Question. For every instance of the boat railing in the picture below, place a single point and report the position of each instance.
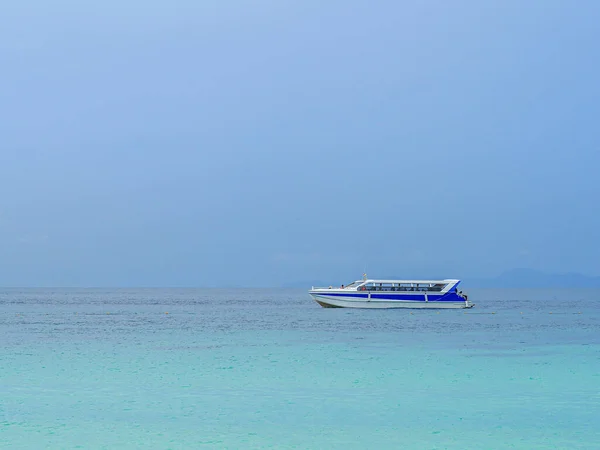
(388, 287)
(400, 289)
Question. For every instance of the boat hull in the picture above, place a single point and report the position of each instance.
(337, 301)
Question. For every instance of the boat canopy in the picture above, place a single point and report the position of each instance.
(403, 285)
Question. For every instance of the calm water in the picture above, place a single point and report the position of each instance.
(271, 369)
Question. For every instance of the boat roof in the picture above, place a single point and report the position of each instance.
(445, 281)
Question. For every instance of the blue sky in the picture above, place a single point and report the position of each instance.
(189, 143)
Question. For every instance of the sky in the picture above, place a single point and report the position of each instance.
(258, 143)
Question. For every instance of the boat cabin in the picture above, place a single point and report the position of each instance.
(400, 286)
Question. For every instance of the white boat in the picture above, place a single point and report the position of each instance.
(369, 293)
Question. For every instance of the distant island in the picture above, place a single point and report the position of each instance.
(530, 278)
(514, 278)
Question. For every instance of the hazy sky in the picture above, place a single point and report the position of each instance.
(196, 143)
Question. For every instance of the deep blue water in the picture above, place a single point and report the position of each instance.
(177, 368)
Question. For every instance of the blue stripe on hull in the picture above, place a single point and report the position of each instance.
(415, 298)
(450, 297)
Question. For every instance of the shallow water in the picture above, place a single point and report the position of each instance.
(176, 368)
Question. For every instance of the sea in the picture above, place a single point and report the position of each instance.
(270, 369)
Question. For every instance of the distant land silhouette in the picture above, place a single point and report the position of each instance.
(530, 278)
(514, 278)
(308, 284)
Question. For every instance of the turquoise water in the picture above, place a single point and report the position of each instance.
(271, 369)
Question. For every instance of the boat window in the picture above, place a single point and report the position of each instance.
(380, 286)
(402, 287)
(437, 287)
(420, 287)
